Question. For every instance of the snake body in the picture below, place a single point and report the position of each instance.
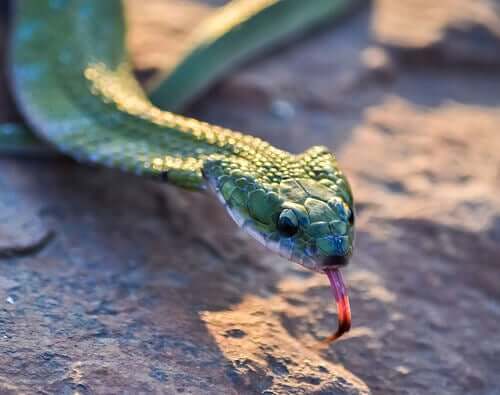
(73, 82)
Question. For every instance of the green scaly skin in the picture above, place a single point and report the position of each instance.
(228, 37)
(73, 83)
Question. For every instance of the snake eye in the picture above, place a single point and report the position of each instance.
(288, 224)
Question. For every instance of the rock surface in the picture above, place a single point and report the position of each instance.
(147, 288)
(455, 32)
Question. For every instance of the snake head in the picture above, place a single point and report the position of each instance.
(299, 206)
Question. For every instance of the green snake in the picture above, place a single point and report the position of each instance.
(73, 83)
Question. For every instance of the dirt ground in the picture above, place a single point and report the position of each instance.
(114, 284)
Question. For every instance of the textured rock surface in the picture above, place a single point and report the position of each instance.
(453, 32)
(146, 288)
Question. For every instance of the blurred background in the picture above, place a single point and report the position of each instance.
(112, 284)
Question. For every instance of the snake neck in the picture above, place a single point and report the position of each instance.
(239, 153)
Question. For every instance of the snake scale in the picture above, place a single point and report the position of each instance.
(73, 83)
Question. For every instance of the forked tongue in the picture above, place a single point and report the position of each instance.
(343, 309)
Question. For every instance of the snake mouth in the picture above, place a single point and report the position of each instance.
(339, 292)
(335, 261)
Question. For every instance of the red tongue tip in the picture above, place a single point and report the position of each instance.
(344, 310)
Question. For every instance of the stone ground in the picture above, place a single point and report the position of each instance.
(112, 284)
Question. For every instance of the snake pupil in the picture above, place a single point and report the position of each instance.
(288, 223)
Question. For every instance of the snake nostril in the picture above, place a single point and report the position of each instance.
(335, 261)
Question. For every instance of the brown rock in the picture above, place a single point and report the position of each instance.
(147, 288)
(451, 32)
